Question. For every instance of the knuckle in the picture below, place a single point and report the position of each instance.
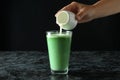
(74, 3)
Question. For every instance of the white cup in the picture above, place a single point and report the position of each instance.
(66, 20)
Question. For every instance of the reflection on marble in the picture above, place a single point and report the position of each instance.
(59, 77)
(86, 76)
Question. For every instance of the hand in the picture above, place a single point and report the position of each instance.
(83, 12)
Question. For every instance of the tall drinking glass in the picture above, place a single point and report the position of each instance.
(59, 46)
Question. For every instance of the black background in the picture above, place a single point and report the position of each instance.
(24, 23)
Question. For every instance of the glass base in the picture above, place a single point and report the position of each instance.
(59, 72)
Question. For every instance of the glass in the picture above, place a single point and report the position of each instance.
(59, 46)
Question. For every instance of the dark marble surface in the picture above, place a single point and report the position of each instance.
(84, 65)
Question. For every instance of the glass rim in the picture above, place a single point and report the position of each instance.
(50, 31)
(58, 32)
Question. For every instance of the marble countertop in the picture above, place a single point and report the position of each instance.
(84, 65)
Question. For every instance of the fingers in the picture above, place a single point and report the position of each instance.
(84, 20)
(84, 15)
(80, 14)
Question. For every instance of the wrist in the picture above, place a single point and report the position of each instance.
(97, 10)
(94, 11)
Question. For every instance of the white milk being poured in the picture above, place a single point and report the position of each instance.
(66, 20)
(60, 31)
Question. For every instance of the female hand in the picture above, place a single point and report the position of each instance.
(83, 12)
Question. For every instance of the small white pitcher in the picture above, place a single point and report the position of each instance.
(66, 20)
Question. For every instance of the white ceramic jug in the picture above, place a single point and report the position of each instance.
(66, 20)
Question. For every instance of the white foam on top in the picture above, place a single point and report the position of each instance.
(58, 35)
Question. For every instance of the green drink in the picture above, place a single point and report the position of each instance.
(59, 51)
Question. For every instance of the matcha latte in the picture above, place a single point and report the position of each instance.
(59, 45)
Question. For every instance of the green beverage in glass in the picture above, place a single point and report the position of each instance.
(59, 45)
